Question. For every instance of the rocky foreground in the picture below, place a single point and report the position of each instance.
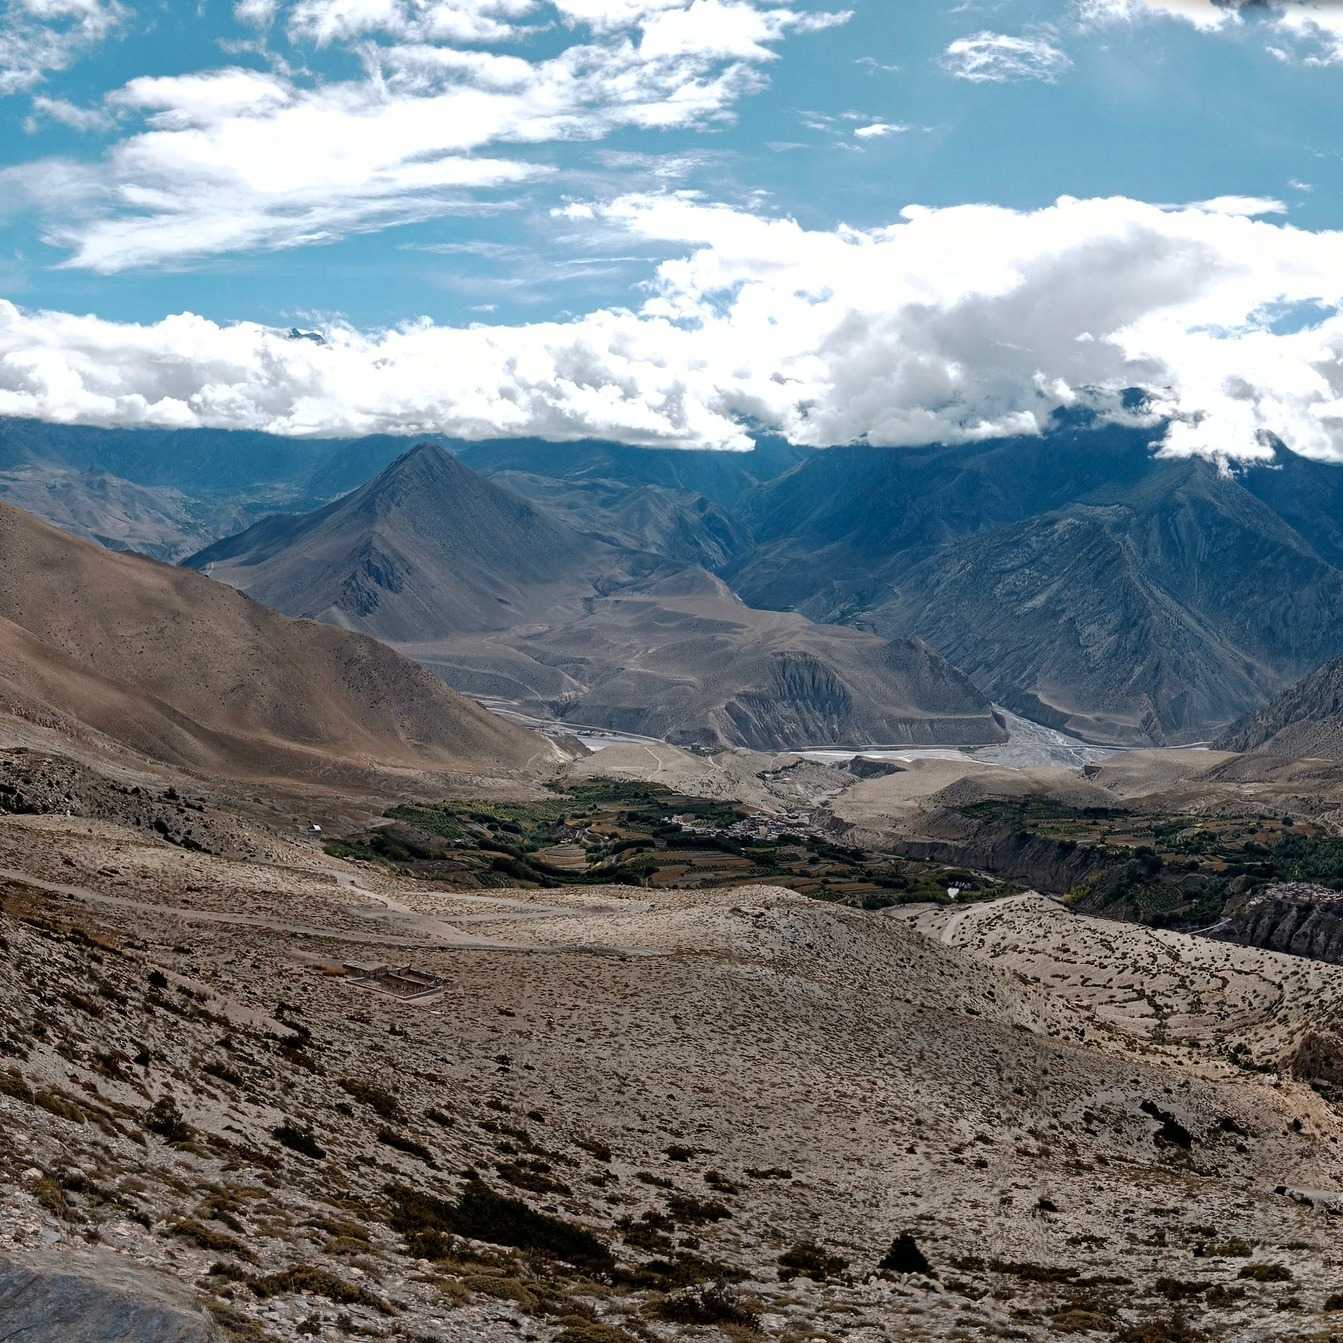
(617, 1114)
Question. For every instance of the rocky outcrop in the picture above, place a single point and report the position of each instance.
(1294, 917)
(81, 1297)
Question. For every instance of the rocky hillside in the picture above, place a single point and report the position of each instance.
(1305, 720)
(834, 1126)
(1295, 917)
(681, 658)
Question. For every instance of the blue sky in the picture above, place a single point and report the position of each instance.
(585, 178)
(1157, 110)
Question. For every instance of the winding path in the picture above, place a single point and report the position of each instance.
(445, 935)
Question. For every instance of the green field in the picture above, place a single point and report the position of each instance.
(643, 835)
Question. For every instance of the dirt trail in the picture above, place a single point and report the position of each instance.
(436, 933)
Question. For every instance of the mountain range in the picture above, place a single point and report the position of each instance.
(1080, 578)
(502, 598)
(424, 550)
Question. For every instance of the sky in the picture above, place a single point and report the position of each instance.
(676, 221)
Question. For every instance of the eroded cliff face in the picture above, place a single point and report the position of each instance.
(1294, 917)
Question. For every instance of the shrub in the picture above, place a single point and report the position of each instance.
(481, 1214)
(714, 1303)
(1266, 1273)
(904, 1256)
(298, 1140)
(381, 1101)
(391, 1138)
(1175, 1329)
(579, 1330)
(1079, 1321)
(165, 1119)
(207, 1238)
(808, 1260)
(1235, 1248)
(697, 1211)
(309, 1280)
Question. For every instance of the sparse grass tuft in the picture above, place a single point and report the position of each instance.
(309, 1280)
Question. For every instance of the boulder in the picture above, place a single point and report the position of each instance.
(83, 1297)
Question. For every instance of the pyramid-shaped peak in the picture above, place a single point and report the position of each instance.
(427, 456)
(425, 478)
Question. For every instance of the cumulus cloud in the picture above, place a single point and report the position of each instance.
(946, 325)
(41, 36)
(997, 58)
(233, 159)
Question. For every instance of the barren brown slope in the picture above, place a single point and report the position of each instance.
(192, 673)
(426, 548)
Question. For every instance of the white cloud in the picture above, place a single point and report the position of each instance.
(727, 30)
(607, 15)
(996, 58)
(1205, 14)
(234, 159)
(879, 130)
(326, 21)
(948, 325)
(1316, 28)
(257, 13)
(1249, 206)
(40, 36)
(67, 114)
(179, 102)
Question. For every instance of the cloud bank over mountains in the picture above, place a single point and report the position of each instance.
(947, 325)
(328, 121)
